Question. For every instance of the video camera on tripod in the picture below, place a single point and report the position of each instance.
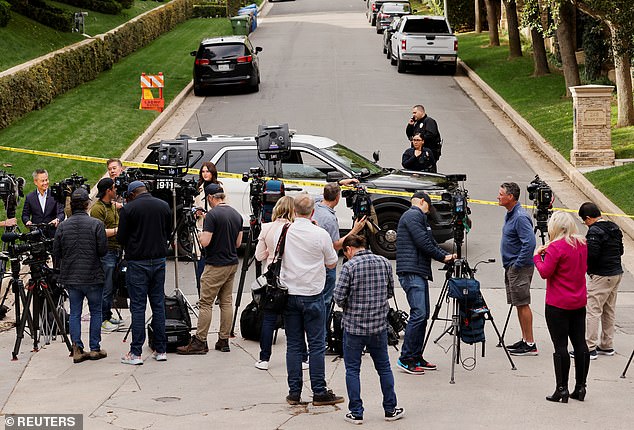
(542, 196)
(11, 189)
(35, 245)
(460, 211)
(64, 188)
(358, 199)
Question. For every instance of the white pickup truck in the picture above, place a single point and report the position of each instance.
(422, 39)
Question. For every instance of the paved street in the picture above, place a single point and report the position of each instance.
(323, 72)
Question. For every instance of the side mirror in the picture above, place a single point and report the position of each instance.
(258, 49)
(193, 53)
(375, 156)
(334, 176)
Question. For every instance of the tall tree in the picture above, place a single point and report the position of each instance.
(618, 15)
(531, 18)
(566, 40)
(478, 18)
(515, 44)
(492, 21)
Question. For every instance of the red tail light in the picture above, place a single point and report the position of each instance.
(403, 44)
(202, 62)
(373, 7)
(246, 59)
(455, 45)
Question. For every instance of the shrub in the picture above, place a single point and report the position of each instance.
(35, 87)
(209, 10)
(5, 13)
(39, 11)
(110, 7)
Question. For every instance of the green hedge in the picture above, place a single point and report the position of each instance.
(5, 13)
(50, 16)
(462, 15)
(34, 88)
(210, 10)
(110, 7)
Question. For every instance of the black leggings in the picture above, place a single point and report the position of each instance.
(563, 324)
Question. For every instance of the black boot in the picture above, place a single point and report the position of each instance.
(582, 366)
(561, 375)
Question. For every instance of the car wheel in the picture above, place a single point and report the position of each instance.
(378, 30)
(384, 48)
(400, 65)
(388, 51)
(198, 92)
(451, 69)
(373, 22)
(392, 59)
(384, 241)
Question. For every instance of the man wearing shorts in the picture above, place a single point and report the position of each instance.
(518, 243)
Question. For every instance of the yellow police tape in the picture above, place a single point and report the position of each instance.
(239, 176)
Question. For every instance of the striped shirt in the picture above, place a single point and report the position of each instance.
(364, 286)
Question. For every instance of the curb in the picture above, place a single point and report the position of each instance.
(575, 177)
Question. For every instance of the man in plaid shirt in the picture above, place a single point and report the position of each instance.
(363, 289)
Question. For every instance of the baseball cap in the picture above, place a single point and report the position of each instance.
(212, 189)
(80, 195)
(423, 196)
(134, 185)
(104, 185)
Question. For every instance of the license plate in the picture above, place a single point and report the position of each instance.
(429, 57)
(164, 184)
(223, 67)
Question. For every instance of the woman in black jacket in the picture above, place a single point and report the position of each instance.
(418, 158)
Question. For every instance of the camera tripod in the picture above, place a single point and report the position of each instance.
(185, 236)
(38, 290)
(460, 269)
(628, 364)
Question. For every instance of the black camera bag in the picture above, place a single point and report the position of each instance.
(251, 322)
(177, 332)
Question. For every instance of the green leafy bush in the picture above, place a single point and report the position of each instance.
(41, 12)
(35, 87)
(5, 13)
(210, 10)
(111, 7)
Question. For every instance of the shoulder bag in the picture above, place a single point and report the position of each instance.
(276, 295)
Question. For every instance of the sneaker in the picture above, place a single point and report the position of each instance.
(411, 368)
(515, 345)
(305, 365)
(222, 345)
(115, 321)
(352, 418)
(97, 355)
(593, 354)
(525, 349)
(159, 356)
(262, 365)
(327, 398)
(194, 347)
(295, 399)
(396, 414)
(108, 326)
(132, 359)
(425, 364)
(607, 351)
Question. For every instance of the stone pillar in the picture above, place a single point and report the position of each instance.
(591, 140)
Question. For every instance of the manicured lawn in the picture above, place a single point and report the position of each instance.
(541, 101)
(24, 39)
(101, 118)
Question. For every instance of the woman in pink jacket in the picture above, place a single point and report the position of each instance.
(563, 262)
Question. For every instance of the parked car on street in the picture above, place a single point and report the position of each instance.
(226, 61)
(316, 159)
(373, 6)
(387, 37)
(424, 40)
(388, 12)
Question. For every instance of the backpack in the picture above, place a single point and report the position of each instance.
(176, 309)
(251, 322)
(335, 333)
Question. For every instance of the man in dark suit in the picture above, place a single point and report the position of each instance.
(40, 207)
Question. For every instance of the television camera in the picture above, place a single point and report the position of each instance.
(542, 196)
(460, 211)
(64, 188)
(11, 189)
(358, 199)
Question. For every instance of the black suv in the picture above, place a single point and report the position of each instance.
(314, 159)
(222, 61)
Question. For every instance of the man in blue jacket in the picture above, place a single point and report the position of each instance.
(415, 247)
(517, 246)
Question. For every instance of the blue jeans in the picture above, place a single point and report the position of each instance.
(93, 294)
(376, 345)
(269, 322)
(304, 316)
(417, 289)
(109, 263)
(329, 290)
(146, 280)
